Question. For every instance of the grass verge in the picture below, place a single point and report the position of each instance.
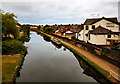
(10, 66)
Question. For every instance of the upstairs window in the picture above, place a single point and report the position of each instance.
(109, 36)
(93, 26)
(119, 27)
(109, 24)
(87, 27)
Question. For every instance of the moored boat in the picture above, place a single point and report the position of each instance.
(56, 41)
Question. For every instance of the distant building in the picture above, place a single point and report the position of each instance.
(19, 26)
(33, 27)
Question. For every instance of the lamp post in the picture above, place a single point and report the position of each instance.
(65, 32)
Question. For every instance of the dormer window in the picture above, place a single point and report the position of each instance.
(109, 24)
(93, 26)
(87, 27)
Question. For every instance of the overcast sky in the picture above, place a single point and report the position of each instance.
(60, 11)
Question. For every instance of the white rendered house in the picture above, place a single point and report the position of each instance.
(97, 30)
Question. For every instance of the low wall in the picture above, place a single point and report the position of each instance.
(86, 46)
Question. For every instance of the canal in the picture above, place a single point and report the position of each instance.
(46, 62)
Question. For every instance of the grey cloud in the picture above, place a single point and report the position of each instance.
(119, 10)
(58, 12)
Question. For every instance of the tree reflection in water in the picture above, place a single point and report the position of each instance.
(88, 70)
(46, 38)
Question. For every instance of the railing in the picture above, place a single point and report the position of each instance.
(118, 76)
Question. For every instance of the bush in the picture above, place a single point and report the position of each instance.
(13, 47)
(48, 30)
(24, 38)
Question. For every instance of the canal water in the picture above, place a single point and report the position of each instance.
(46, 62)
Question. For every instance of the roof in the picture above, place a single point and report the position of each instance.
(119, 23)
(94, 20)
(100, 30)
(18, 24)
(115, 39)
(57, 31)
(74, 26)
(69, 32)
(80, 27)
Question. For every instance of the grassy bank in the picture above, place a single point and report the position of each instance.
(11, 65)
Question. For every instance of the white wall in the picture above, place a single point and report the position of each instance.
(80, 35)
(103, 24)
(98, 39)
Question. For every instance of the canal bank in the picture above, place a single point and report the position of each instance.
(102, 66)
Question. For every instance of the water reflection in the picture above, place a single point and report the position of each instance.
(46, 38)
(88, 70)
(57, 46)
(44, 64)
(64, 49)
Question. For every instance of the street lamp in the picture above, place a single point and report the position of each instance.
(65, 32)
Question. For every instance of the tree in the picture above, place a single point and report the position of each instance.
(55, 24)
(45, 27)
(39, 27)
(26, 33)
(9, 25)
(26, 30)
(48, 30)
(13, 47)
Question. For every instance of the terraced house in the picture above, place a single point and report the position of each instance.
(100, 31)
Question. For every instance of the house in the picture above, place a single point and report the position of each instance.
(62, 29)
(78, 31)
(54, 28)
(19, 26)
(41, 28)
(98, 30)
(68, 34)
(33, 27)
(58, 32)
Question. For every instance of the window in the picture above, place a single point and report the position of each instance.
(93, 26)
(119, 27)
(109, 36)
(109, 24)
(87, 27)
(89, 36)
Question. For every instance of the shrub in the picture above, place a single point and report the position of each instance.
(24, 38)
(13, 47)
(48, 30)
